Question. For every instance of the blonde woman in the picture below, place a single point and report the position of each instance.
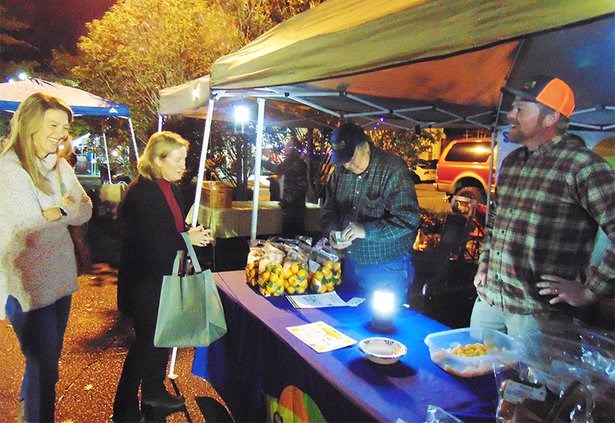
(152, 216)
(40, 197)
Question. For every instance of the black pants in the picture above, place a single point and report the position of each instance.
(293, 221)
(145, 365)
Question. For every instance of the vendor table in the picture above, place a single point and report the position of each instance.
(236, 221)
(259, 357)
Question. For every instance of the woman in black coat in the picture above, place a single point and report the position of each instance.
(152, 221)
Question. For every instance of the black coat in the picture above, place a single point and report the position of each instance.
(149, 243)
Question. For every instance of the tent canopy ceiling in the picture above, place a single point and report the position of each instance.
(399, 63)
(81, 102)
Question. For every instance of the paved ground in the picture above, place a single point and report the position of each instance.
(95, 346)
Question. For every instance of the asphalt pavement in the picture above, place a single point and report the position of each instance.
(96, 342)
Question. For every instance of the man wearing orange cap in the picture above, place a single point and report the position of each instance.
(552, 195)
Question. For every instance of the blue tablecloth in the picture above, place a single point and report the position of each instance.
(258, 357)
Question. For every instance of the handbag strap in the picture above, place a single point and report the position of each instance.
(191, 252)
(179, 256)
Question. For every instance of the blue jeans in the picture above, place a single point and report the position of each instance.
(395, 275)
(41, 334)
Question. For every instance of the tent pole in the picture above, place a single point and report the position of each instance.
(134, 139)
(257, 166)
(159, 123)
(202, 162)
(197, 200)
(107, 155)
(494, 134)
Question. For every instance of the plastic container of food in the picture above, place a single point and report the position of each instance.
(471, 352)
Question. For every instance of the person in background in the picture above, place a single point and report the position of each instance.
(152, 220)
(293, 188)
(39, 199)
(552, 195)
(371, 199)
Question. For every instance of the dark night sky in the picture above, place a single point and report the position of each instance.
(53, 23)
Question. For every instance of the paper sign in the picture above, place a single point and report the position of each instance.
(321, 337)
(354, 301)
(328, 299)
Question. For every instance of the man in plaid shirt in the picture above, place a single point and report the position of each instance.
(371, 200)
(552, 195)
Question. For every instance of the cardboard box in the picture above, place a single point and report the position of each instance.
(217, 195)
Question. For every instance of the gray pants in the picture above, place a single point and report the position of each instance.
(518, 325)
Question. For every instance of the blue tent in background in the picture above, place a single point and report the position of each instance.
(81, 102)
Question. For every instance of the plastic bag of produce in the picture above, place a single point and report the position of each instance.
(565, 376)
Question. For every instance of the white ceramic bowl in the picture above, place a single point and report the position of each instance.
(382, 350)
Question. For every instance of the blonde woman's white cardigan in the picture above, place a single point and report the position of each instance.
(37, 260)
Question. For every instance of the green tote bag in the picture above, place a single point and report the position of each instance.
(190, 312)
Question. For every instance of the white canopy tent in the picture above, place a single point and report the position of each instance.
(401, 63)
(81, 102)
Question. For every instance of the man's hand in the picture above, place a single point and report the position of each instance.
(480, 279)
(565, 291)
(353, 231)
(337, 241)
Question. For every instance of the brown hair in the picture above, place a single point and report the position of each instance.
(562, 123)
(26, 122)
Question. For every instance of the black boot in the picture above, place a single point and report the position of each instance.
(163, 401)
(127, 415)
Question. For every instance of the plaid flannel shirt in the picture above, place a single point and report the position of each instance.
(382, 199)
(548, 206)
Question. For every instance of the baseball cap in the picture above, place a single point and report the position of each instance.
(547, 90)
(344, 140)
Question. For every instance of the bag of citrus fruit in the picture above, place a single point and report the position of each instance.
(295, 272)
(325, 269)
(270, 280)
(257, 252)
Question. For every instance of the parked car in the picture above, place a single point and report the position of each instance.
(424, 171)
(463, 168)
